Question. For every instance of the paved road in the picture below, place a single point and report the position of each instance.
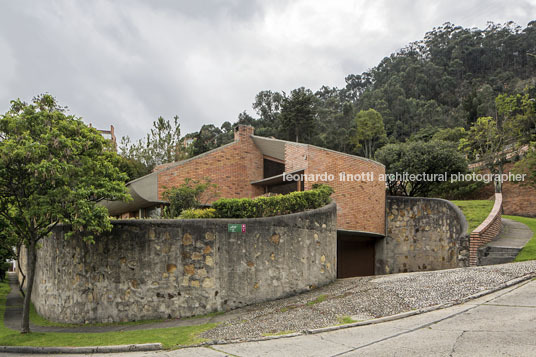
(500, 324)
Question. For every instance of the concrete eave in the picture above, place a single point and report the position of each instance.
(144, 193)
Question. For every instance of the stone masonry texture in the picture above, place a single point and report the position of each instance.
(422, 234)
(154, 269)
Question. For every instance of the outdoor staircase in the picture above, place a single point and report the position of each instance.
(497, 255)
(505, 247)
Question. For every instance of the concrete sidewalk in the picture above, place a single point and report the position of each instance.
(513, 235)
(498, 324)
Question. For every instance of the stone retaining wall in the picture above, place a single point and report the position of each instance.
(487, 230)
(422, 234)
(154, 269)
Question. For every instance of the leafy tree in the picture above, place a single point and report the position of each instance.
(192, 194)
(53, 170)
(485, 142)
(370, 131)
(418, 157)
(161, 145)
(298, 115)
(527, 166)
(450, 134)
(132, 168)
(210, 137)
(518, 111)
(268, 105)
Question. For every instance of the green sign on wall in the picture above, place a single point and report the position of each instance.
(235, 228)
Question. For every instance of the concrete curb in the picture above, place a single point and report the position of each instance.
(386, 318)
(82, 350)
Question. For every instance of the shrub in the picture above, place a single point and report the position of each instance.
(275, 205)
(192, 213)
(187, 196)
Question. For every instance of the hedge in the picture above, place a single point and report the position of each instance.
(198, 213)
(293, 202)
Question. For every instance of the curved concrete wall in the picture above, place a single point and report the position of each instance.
(422, 234)
(147, 269)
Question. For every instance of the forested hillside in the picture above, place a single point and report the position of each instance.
(449, 79)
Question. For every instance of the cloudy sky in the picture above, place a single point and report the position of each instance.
(127, 62)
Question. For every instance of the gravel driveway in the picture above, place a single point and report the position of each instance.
(364, 298)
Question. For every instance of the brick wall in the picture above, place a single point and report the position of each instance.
(295, 157)
(232, 167)
(361, 204)
(486, 231)
(518, 200)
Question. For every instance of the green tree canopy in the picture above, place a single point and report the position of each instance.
(485, 143)
(161, 145)
(298, 115)
(53, 169)
(370, 131)
(418, 157)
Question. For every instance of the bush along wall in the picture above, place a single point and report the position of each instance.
(258, 207)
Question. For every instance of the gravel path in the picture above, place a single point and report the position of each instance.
(364, 298)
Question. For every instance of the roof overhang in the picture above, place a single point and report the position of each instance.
(144, 193)
(270, 147)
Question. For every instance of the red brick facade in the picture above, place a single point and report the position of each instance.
(361, 205)
(232, 167)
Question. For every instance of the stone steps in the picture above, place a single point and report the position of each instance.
(490, 255)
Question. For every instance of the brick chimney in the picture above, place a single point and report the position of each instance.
(243, 131)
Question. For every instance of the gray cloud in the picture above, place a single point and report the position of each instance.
(127, 62)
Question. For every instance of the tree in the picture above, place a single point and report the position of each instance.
(485, 142)
(370, 131)
(208, 138)
(161, 145)
(518, 112)
(450, 134)
(417, 158)
(298, 115)
(268, 105)
(132, 167)
(53, 170)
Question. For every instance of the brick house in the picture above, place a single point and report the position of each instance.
(253, 165)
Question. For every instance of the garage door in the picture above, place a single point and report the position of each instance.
(355, 255)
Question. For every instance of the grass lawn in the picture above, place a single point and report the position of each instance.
(476, 211)
(529, 251)
(169, 337)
